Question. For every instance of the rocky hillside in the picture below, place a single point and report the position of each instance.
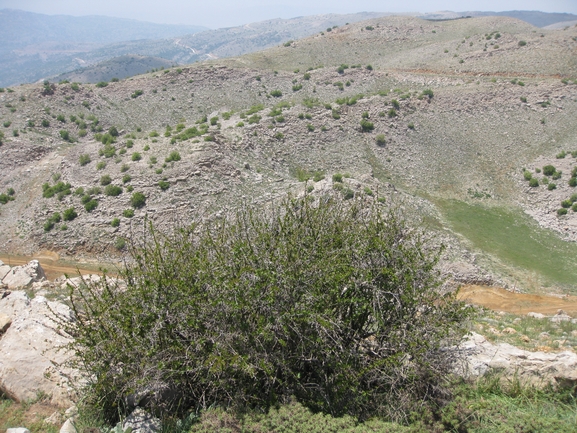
(443, 118)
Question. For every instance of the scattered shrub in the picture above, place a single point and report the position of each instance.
(527, 175)
(381, 140)
(128, 213)
(115, 222)
(91, 205)
(136, 94)
(533, 183)
(173, 156)
(276, 93)
(562, 211)
(549, 170)
(551, 186)
(69, 214)
(84, 159)
(112, 190)
(138, 200)
(164, 185)
(366, 125)
(136, 156)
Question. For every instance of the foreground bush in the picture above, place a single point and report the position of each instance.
(333, 302)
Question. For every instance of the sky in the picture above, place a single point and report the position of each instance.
(228, 13)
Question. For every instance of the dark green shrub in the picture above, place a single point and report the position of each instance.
(527, 175)
(522, 43)
(45, 123)
(336, 304)
(136, 156)
(392, 113)
(337, 177)
(69, 214)
(126, 178)
(562, 211)
(65, 135)
(61, 118)
(101, 165)
(136, 94)
(561, 155)
(102, 84)
(551, 186)
(138, 200)
(112, 190)
(59, 188)
(84, 159)
(115, 222)
(557, 175)
(395, 104)
(574, 207)
(164, 185)
(5, 198)
(566, 204)
(381, 140)
(90, 205)
(128, 213)
(549, 170)
(533, 183)
(276, 93)
(366, 125)
(214, 120)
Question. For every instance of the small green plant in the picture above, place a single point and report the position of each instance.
(105, 180)
(527, 175)
(69, 214)
(128, 213)
(84, 159)
(164, 185)
(112, 190)
(337, 177)
(380, 140)
(522, 43)
(138, 200)
(101, 165)
(115, 222)
(551, 186)
(136, 156)
(136, 94)
(173, 157)
(366, 125)
(310, 127)
(549, 170)
(101, 84)
(276, 93)
(91, 205)
(561, 211)
(561, 155)
(533, 183)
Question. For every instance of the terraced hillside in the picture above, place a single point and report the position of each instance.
(442, 118)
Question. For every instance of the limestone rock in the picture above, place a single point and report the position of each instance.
(18, 430)
(4, 269)
(536, 315)
(141, 422)
(68, 427)
(23, 276)
(533, 367)
(31, 358)
(5, 322)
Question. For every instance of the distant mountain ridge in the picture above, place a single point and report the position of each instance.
(35, 46)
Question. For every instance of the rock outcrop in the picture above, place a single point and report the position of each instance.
(31, 355)
(530, 367)
(22, 276)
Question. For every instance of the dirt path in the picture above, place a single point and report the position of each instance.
(54, 267)
(517, 303)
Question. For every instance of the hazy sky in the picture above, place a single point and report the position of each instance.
(226, 13)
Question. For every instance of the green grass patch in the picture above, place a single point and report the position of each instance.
(516, 240)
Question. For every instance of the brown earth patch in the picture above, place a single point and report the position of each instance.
(499, 299)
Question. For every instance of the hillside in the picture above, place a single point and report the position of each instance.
(33, 45)
(37, 46)
(441, 118)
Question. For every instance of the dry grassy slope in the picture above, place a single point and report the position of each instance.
(409, 43)
(474, 135)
